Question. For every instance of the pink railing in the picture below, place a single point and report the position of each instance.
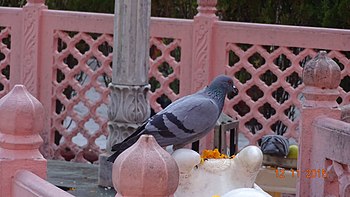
(30, 185)
(64, 58)
(324, 159)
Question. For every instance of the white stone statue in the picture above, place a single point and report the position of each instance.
(221, 177)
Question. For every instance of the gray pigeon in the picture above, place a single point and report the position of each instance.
(185, 120)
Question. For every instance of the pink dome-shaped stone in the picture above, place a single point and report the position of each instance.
(22, 118)
(322, 72)
(20, 112)
(145, 169)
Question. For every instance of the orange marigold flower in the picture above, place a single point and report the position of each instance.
(214, 154)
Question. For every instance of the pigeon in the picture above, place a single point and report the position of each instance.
(275, 145)
(184, 121)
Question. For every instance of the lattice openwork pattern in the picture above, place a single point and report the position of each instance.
(270, 84)
(338, 177)
(5, 50)
(164, 72)
(82, 71)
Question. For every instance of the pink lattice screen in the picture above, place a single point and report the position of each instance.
(5, 50)
(170, 61)
(164, 71)
(269, 78)
(82, 72)
(266, 63)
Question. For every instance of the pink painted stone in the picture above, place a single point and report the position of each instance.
(207, 7)
(322, 135)
(24, 180)
(19, 106)
(322, 72)
(36, 1)
(321, 77)
(21, 117)
(145, 169)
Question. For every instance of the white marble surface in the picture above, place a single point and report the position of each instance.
(218, 176)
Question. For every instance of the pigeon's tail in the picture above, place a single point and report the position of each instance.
(129, 141)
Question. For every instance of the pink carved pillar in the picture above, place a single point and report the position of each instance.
(145, 169)
(321, 77)
(202, 44)
(202, 61)
(31, 45)
(30, 57)
(22, 118)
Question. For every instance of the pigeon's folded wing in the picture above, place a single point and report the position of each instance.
(184, 121)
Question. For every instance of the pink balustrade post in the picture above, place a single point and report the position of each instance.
(145, 169)
(30, 48)
(202, 58)
(321, 77)
(21, 120)
(32, 39)
(202, 44)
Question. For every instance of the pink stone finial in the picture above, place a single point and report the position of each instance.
(322, 72)
(207, 7)
(22, 118)
(145, 169)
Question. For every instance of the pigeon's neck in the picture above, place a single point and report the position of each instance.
(218, 95)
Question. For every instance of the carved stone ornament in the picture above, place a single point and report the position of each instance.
(203, 23)
(321, 77)
(30, 47)
(201, 53)
(337, 172)
(31, 16)
(322, 72)
(129, 104)
(207, 7)
(118, 132)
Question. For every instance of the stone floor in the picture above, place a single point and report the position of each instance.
(79, 179)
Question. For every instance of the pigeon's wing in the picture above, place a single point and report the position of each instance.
(184, 121)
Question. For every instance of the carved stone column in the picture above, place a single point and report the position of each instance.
(129, 105)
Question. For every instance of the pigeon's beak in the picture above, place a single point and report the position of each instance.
(232, 93)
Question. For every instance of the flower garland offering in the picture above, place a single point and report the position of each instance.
(214, 154)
